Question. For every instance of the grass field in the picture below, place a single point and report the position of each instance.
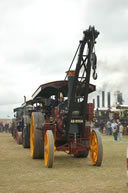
(20, 174)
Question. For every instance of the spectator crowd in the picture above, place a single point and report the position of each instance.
(115, 127)
(5, 127)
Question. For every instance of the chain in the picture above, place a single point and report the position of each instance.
(93, 58)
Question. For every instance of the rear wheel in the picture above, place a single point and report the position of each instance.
(26, 131)
(49, 149)
(85, 153)
(82, 154)
(36, 136)
(96, 148)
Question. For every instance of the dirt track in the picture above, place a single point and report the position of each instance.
(20, 174)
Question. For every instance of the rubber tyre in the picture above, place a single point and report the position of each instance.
(36, 135)
(96, 148)
(26, 131)
(49, 149)
(19, 137)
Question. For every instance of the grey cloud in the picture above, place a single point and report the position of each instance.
(25, 58)
(109, 17)
(9, 97)
(7, 5)
(40, 47)
(116, 67)
(113, 76)
(7, 110)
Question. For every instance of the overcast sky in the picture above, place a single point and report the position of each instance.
(38, 39)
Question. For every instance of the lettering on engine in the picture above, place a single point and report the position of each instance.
(76, 121)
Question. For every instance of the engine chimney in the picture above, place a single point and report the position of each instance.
(103, 99)
(94, 103)
(109, 100)
(70, 75)
(24, 99)
(98, 101)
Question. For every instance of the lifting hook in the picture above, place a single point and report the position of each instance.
(95, 75)
(93, 60)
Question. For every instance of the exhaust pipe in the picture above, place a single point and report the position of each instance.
(98, 101)
(103, 99)
(94, 103)
(109, 100)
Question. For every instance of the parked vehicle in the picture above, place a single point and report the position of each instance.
(62, 121)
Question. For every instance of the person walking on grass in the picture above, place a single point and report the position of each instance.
(114, 130)
(118, 125)
(120, 134)
(108, 127)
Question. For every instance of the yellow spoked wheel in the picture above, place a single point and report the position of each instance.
(96, 148)
(49, 149)
(36, 137)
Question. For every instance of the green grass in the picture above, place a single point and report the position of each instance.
(21, 174)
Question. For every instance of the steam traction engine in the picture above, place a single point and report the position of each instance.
(17, 125)
(62, 122)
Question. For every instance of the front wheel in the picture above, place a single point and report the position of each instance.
(49, 149)
(96, 148)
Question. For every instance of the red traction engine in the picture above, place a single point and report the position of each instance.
(63, 120)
